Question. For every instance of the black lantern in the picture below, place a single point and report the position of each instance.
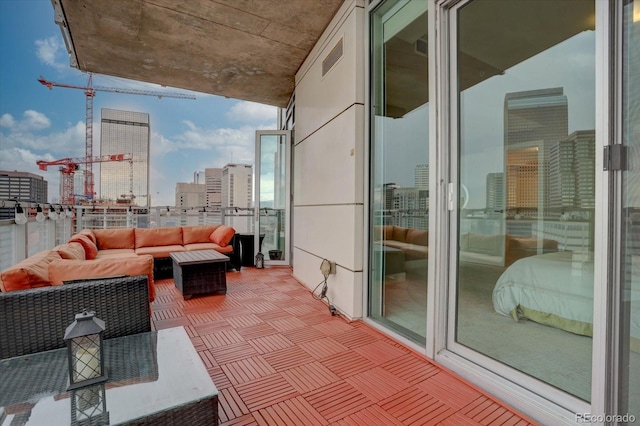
(259, 260)
(89, 406)
(85, 350)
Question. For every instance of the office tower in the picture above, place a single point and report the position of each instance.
(125, 132)
(190, 195)
(533, 122)
(421, 176)
(410, 205)
(584, 143)
(237, 191)
(496, 196)
(213, 188)
(572, 171)
(21, 186)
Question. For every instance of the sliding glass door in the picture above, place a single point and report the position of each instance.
(522, 275)
(399, 214)
(629, 295)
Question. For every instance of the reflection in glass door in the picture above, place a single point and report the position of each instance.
(272, 196)
(399, 215)
(629, 362)
(526, 170)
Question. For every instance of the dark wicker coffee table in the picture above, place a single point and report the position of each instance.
(200, 272)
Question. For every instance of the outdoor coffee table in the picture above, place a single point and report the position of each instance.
(152, 378)
(200, 272)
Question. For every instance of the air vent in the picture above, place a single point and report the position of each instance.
(421, 46)
(332, 58)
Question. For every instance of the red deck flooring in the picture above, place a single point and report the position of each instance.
(278, 357)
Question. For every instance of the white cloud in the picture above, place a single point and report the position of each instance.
(7, 120)
(48, 50)
(251, 112)
(35, 120)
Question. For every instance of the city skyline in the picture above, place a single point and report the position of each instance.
(41, 124)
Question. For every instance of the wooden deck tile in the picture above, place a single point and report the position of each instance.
(377, 384)
(247, 370)
(278, 357)
(308, 377)
(337, 401)
(264, 392)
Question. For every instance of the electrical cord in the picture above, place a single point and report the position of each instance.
(323, 293)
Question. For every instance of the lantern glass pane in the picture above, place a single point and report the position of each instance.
(86, 357)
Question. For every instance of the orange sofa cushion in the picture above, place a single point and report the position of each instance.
(418, 236)
(69, 270)
(30, 273)
(89, 233)
(399, 234)
(90, 249)
(73, 251)
(222, 235)
(114, 238)
(153, 237)
(197, 234)
(160, 251)
(208, 246)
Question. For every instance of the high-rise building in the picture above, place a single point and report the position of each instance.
(534, 121)
(237, 191)
(190, 195)
(23, 186)
(125, 132)
(572, 171)
(213, 188)
(421, 176)
(496, 196)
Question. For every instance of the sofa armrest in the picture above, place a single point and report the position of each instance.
(35, 320)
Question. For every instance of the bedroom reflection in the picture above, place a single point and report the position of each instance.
(399, 168)
(526, 170)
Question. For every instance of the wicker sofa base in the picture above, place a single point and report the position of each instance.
(35, 320)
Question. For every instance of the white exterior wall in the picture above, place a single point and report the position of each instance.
(328, 182)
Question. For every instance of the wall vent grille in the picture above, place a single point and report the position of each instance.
(331, 59)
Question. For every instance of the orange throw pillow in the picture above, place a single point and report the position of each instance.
(90, 249)
(222, 235)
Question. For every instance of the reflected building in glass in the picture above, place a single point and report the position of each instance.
(534, 121)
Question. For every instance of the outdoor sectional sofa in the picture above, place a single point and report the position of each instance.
(103, 253)
(413, 242)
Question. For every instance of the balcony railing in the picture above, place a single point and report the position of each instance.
(18, 242)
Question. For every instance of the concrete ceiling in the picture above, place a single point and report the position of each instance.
(242, 49)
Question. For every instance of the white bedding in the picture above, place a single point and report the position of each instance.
(555, 287)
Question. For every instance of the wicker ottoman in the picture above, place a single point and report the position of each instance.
(200, 272)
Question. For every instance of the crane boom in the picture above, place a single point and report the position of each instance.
(90, 92)
(160, 95)
(68, 167)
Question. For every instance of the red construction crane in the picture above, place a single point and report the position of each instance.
(90, 92)
(68, 167)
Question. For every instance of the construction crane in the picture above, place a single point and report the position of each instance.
(68, 167)
(90, 92)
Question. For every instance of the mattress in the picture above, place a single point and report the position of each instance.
(555, 289)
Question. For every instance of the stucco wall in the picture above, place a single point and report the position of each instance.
(328, 158)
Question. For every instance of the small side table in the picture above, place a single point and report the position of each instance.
(200, 271)
(247, 248)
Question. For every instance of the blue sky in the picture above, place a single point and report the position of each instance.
(41, 124)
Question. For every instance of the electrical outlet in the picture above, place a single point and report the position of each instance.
(332, 268)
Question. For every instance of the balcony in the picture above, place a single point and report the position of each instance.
(278, 356)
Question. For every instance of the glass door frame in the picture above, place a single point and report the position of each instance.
(539, 399)
(286, 260)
